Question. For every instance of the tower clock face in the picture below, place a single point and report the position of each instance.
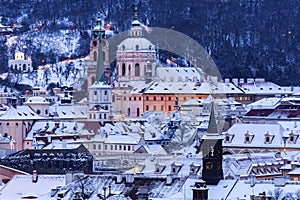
(209, 165)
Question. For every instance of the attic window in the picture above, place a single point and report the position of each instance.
(165, 88)
(151, 88)
(179, 88)
(194, 88)
(227, 138)
(270, 88)
(247, 139)
(32, 113)
(63, 112)
(25, 114)
(19, 114)
(261, 88)
(279, 88)
(232, 88)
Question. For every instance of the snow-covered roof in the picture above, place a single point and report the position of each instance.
(182, 74)
(21, 186)
(136, 44)
(20, 113)
(68, 111)
(55, 129)
(260, 88)
(155, 149)
(36, 100)
(265, 103)
(258, 131)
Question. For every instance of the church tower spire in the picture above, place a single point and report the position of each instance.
(136, 28)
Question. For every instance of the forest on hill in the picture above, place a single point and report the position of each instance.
(246, 38)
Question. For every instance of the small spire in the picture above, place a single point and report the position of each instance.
(135, 12)
(212, 126)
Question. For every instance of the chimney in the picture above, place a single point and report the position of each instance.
(34, 176)
(200, 191)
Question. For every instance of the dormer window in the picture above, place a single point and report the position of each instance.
(248, 137)
(293, 138)
(268, 138)
(228, 137)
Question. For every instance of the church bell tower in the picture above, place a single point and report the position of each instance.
(211, 147)
(97, 53)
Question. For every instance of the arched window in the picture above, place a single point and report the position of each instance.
(123, 69)
(103, 54)
(137, 69)
(95, 56)
(128, 112)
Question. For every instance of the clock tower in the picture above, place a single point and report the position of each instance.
(211, 147)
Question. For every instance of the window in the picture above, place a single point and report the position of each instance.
(154, 107)
(161, 98)
(147, 107)
(105, 147)
(104, 116)
(116, 147)
(113, 98)
(140, 98)
(134, 98)
(111, 147)
(123, 69)
(170, 98)
(267, 139)
(292, 138)
(95, 92)
(227, 138)
(124, 147)
(128, 148)
(38, 112)
(147, 98)
(103, 54)
(120, 147)
(94, 146)
(169, 108)
(137, 69)
(95, 56)
(154, 98)
(99, 146)
(124, 98)
(161, 108)
(247, 139)
(138, 112)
